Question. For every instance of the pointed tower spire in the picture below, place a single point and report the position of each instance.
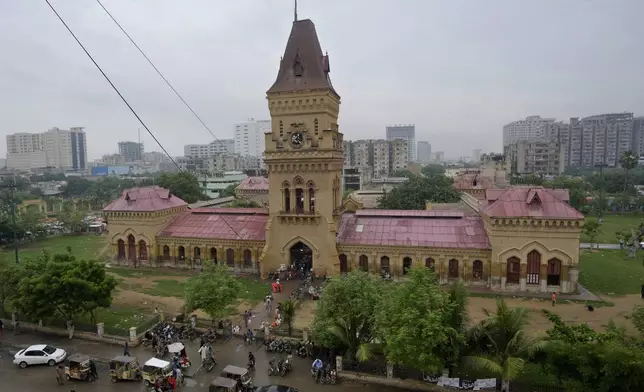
(295, 12)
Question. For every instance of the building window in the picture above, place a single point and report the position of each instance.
(406, 265)
(281, 128)
(453, 268)
(287, 199)
(554, 272)
(431, 264)
(299, 200)
(315, 126)
(311, 187)
(363, 262)
(513, 270)
(384, 266)
(477, 270)
(534, 265)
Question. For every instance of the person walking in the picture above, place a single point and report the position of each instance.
(60, 375)
(126, 350)
(92, 369)
(1, 329)
(554, 299)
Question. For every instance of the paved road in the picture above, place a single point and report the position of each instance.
(599, 246)
(43, 379)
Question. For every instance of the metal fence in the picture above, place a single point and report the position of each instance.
(375, 367)
(404, 373)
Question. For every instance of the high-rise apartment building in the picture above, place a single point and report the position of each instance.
(538, 157)
(407, 133)
(381, 157)
(249, 137)
(476, 155)
(439, 157)
(58, 148)
(221, 146)
(424, 152)
(131, 151)
(533, 128)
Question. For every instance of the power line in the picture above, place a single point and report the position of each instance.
(127, 103)
(162, 76)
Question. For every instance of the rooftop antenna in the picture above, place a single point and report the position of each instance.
(295, 12)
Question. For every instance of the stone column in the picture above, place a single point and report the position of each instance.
(543, 278)
(466, 271)
(442, 270)
(504, 274)
(338, 363)
(132, 334)
(239, 255)
(305, 335)
(390, 370)
(100, 329)
(522, 277)
(374, 263)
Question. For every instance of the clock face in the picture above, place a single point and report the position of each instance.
(297, 139)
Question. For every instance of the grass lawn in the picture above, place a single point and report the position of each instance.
(86, 247)
(611, 272)
(614, 223)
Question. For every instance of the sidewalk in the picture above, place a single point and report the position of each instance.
(259, 312)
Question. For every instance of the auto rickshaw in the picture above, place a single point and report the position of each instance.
(124, 368)
(77, 367)
(239, 374)
(155, 368)
(222, 384)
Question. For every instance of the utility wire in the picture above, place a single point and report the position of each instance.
(111, 84)
(162, 76)
(126, 102)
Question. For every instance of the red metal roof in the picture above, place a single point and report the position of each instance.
(410, 213)
(254, 184)
(533, 202)
(413, 230)
(216, 223)
(147, 199)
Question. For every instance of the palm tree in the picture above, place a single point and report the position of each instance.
(288, 314)
(499, 343)
(348, 336)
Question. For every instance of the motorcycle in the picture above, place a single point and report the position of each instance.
(273, 367)
(285, 366)
(305, 349)
(250, 366)
(209, 364)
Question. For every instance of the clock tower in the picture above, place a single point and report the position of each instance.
(304, 158)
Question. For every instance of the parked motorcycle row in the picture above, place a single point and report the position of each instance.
(303, 349)
(281, 367)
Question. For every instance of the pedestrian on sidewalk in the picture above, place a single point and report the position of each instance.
(126, 350)
(60, 375)
(1, 329)
(554, 299)
(16, 327)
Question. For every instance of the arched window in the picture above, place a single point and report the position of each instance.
(230, 257)
(131, 247)
(431, 264)
(344, 265)
(120, 249)
(287, 197)
(311, 187)
(143, 250)
(534, 267)
(384, 265)
(166, 252)
(213, 255)
(182, 253)
(513, 270)
(554, 272)
(453, 268)
(196, 253)
(248, 258)
(406, 265)
(477, 270)
(363, 261)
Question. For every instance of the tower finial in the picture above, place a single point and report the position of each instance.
(295, 12)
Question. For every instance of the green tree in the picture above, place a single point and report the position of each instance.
(403, 173)
(229, 191)
(64, 286)
(498, 343)
(183, 185)
(414, 322)
(76, 187)
(591, 229)
(242, 203)
(346, 312)
(432, 170)
(288, 314)
(414, 193)
(212, 291)
(628, 161)
(9, 284)
(637, 318)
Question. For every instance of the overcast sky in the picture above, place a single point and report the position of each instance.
(458, 69)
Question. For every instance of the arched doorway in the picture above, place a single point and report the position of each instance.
(120, 249)
(452, 268)
(514, 270)
(406, 265)
(143, 250)
(131, 247)
(230, 257)
(534, 266)
(196, 253)
(554, 272)
(301, 257)
(384, 266)
(477, 270)
(364, 263)
(431, 264)
(248, 258)
(213, 255)
(344, 265)
(166, 252)
(182, 253)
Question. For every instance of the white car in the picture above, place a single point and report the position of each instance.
(39, 354)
